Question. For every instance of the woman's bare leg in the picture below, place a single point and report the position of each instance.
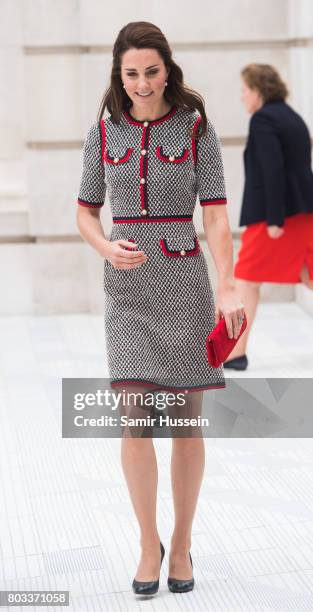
(305, 278)
(249, 292)
(187, 468)
(141, 473)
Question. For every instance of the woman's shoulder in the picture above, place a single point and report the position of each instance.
(270, 113)
(194, 118)
(262, 119)
(192, 114)
(189, 115)
(93, 134)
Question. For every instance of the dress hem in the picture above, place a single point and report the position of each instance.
(154, 385)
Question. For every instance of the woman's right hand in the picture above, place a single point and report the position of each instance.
(275, 231)
(117, 254)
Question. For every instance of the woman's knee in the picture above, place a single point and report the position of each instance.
(188, 446)
(136, 447)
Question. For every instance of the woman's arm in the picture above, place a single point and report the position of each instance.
(91, 197)
(90, 228)
(212, 195)
(92, 192)
(219, 239)
(270, 157)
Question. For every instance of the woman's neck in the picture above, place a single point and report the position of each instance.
(150, 114)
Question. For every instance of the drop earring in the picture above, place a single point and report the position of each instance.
(165, 83)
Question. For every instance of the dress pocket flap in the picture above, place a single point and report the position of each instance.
(116, 160)
(171, 158)
(183, 252)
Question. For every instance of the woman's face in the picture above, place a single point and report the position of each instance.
(251, 98)
(143, 72)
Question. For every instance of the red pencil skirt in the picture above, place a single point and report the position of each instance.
(276, 260)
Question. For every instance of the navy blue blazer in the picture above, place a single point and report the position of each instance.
(277, 161)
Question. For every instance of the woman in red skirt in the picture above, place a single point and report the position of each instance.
(277, 207)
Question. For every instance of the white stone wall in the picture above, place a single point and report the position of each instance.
(55, 59)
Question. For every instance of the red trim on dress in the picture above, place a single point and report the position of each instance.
(103, 138)
(141, 169)
(89, 204)
(170, 253)
(150, 219)
(166, 158)
(207, 202)
(170, 114)
(194, 144)
(121, 160)
(153, 385)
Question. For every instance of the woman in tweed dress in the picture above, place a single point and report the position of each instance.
(154, 153)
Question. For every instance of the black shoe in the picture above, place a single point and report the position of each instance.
(237, 363)
(181, 586)
(148, 587)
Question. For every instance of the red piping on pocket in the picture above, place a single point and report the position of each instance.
(166, 158)
(110, 160)
(175, 253)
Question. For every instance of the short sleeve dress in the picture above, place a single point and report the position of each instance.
(158, 315)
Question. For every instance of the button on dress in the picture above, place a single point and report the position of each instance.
(158, 315)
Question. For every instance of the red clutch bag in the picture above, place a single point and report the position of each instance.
(219, 345)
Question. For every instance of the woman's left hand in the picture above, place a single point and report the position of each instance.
(229, 305)
(274, 231)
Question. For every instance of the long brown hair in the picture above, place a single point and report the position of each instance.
(141, 35)
(266, 80)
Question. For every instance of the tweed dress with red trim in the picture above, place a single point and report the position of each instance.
(158, 315)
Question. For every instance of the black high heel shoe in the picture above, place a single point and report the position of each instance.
(181, 586)
(148, 587)
(237, 363)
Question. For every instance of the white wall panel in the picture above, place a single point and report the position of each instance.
(53, 104)
(16, 279)
(47, 22)
(301, 85)
(181, 21)
(59, 278)
(300, 18)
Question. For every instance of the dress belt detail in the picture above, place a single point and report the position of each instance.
(152, 219)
